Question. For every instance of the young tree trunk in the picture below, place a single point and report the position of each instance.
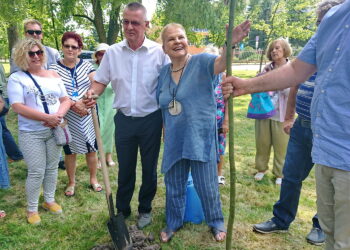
(231, 130)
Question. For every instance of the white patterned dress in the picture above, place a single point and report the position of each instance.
(81, 128)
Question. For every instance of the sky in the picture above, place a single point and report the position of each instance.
(150, 6)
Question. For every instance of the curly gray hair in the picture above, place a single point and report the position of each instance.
(325, 6)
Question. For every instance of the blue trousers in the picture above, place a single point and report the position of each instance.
(205, 181)
(4, 172)
(11, 147)
(297, 166)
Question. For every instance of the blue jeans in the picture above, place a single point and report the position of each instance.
(297, 166)
(11, 147)
(4, 172)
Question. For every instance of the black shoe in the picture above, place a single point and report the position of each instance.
(61, 165)
(316, 236)
(268, 227)
(125, 214)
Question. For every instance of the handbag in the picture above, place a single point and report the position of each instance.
(260, 106)
(61, 132)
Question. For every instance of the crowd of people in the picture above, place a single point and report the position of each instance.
(151, 88)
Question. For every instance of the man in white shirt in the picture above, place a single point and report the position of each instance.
(132, 67)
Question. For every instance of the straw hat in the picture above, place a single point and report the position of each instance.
(101, 46)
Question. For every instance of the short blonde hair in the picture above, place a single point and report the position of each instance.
(20, 53)
(31, 21)
(170, 25)
(287, 49)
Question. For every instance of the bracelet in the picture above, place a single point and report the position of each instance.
(233, 46)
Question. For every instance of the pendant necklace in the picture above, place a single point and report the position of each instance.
(175, 106)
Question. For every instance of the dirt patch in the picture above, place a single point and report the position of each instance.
(139, 240)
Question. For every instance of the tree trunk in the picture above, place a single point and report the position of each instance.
(12, 36)
(98, 20)
(113, 27)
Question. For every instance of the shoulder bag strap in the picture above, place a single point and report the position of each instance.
(42, 97)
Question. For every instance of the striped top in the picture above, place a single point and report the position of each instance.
(81, 128)
(304, 97)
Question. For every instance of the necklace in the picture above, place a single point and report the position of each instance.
(177, 70)
(175, 106)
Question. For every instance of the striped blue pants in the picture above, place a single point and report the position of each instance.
(205, 180)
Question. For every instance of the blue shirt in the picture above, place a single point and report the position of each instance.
(329, 50)
(304, 97)
(192, 133)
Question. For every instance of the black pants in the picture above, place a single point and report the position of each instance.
(131, 133)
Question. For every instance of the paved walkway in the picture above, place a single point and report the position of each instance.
(246, 67)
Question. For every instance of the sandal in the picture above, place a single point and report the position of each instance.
(70, 191)
(166, 235)
(110, 163)
(217, 233)
(2, 214)
(96, 187)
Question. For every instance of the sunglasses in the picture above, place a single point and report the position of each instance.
(133, 23)
(33, 53)
(70, 47)
(31, 32)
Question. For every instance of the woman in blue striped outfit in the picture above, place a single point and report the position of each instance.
(187, 99)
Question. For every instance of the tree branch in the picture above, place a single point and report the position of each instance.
(85, 16)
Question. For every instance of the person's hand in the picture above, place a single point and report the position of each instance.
(235, 86)
(287, 125)
(80, 108)
(240, 32)
(52, 120)
(225, 127)
(89, 99)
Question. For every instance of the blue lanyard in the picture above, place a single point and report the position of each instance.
(72, 77)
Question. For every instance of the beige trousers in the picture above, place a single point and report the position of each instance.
(269, 133)
(333, 205)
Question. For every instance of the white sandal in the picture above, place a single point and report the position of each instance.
(221, 180)
(259, 176)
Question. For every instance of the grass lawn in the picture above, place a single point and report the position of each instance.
(82, 224)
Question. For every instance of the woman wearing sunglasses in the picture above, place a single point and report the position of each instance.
(77, 76)
(31, 91)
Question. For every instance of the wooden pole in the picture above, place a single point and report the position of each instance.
(231, 130)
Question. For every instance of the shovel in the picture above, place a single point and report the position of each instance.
(116, 223)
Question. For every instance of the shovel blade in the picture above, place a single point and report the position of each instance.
(119, 232)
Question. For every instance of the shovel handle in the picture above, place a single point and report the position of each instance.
(102, 160)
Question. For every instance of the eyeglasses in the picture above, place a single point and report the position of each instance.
(33, 53)
(133, 23)
(31, 32)
(70, 47)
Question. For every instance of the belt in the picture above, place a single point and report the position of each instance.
(137, 117)
(304, 123)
